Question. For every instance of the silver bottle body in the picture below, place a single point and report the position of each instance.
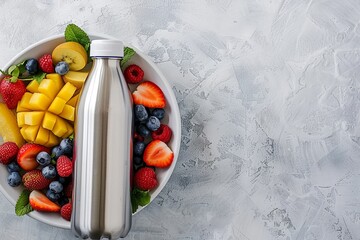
(103, 154)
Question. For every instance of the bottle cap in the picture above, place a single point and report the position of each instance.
(106, 48)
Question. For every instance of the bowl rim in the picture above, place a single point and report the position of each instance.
(176, 111)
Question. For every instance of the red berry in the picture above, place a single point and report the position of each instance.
(133, 74)
(145, 179)
(158, 154)
(34, 180)
(46, 63)
(12, 92)
(149, 95)
(163, 133)
(64, 166)
(38, 201)
(8, 152)
(26, 157)
(65, 211)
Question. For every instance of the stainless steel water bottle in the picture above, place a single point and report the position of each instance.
(103, 148)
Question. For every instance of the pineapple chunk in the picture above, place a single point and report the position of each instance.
(57, 106)
(49, 121)
(60, 127)
(30, 132)
(25, 101)
(53, 140)
(39, 101)
(42, 136)
(67, 92)
(33, 118)
(48, 87)
(57, 79)
(68, 112)
(20, 119)
(33, 86)
(73, 101)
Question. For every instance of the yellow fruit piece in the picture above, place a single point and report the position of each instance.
(30, 132)
(25, 101)
(48, 87)
(33, 86)
(9, 130)
(49, 121)
(60, 127)
(57, 79)
(20, 109)
(73, 101)
(76, 78)
(39, 101)
(67, 91)
(68, 112)
(42, 136)
(70, 130)
(71, 52)
(33, 118)
(53, 140)
(57, 106)
(20, 117)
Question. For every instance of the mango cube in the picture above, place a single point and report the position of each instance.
(53, 140)
(48, 87)
(33, 86)
(39, 101)
(57, 79)
(33, 118)
(42, 136)
(73, 101)
(49, 121)
(67, 91)
(60, 127)
(57, 106)
(30, 132)
(25, 101)
(20, 119)
(68, 113)
(69, 132)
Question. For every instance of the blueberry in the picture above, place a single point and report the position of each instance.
(153, 123)
(159, 113)
(67, 146)
(14, 179)
(143, 131)
(56, 187)
(49, 171)
(139, 148)
(140, 112)
(52, 195)
(32, 66)
(62, 68)
(43, 158)
(57, 152)
(137, 160)
(63, 200)
(63, 180)
(13, 167)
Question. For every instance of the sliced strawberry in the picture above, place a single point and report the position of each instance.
(26, 157)
(158, 154)
(149, 95)
(40, 202)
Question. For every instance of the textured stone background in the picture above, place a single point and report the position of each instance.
(269, 97)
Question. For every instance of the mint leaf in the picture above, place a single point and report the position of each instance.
(39, 76)
(139, 198)
(23, 206)
(74, 33)
(128, 53)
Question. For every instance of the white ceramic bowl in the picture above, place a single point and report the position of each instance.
(152, 73)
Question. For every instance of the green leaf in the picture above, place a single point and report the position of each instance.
(128, 53)
(74, 33)
(139, 198)
(11, 69)
(23, 206)
(39, 76)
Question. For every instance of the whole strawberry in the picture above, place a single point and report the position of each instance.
(65, 211)
(12, 92)
(64, 166)
(46, 63)
(145, 179)
(34, 180)
(8, 152)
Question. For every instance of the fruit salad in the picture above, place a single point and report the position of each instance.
(37, 117)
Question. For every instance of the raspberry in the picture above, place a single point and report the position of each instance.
(8, 152)
(66, 211)
(46, 64)
(145, 179)
(64, 166)
(133, 74)
(164, 133)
